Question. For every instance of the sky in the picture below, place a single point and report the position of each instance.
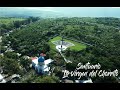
(77, 11)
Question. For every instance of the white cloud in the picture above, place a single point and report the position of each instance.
(41, 8)
(51, 9)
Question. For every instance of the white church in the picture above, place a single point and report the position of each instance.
(41, 65)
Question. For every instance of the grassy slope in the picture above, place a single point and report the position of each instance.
(77, 47)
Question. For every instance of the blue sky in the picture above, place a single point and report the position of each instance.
(90, 11)
(76, 11)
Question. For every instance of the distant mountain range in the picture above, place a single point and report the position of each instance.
(13, 12)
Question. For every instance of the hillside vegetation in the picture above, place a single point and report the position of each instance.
(101, 37)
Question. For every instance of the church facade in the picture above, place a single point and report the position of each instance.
(41, 65)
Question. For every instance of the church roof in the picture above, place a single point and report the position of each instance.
(42, 54)
(33, 58)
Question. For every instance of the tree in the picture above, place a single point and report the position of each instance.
(47, 79)
(3, 49)
(10, 66)
(58, 71)
(67, 52)
(11, 55)
(25, 63)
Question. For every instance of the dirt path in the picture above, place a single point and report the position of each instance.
(0, 38)
(67, 61)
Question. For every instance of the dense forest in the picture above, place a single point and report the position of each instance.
(101, 36)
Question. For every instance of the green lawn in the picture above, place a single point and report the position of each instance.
(77, 47)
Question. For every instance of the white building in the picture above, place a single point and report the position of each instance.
(41, 65)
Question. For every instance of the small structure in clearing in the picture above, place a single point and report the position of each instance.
(57, 43)
(62, 45)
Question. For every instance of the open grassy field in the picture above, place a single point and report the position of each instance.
(9, 20)
(77, 47)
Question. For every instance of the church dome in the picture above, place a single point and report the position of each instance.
(41, 59)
